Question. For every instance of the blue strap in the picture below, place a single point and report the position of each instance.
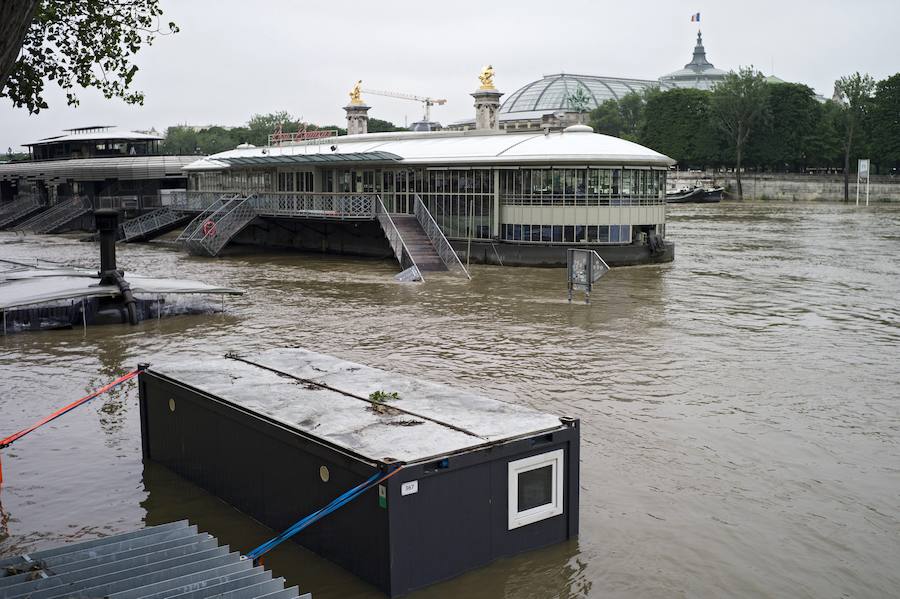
(335, 504)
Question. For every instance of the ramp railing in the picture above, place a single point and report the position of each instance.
(52, 219)
(401, 252)
(208, 204)
(443, 248)
(151, 222)
(221, 226)
(19, 208)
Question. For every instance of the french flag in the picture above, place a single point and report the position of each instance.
(695, 18)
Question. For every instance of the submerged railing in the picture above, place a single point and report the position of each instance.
(443, 248)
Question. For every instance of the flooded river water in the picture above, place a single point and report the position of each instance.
(740, 407)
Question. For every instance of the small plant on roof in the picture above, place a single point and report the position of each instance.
(381, 397)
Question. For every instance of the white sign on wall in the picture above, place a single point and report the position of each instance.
(862, 172)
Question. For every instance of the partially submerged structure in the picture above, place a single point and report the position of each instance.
(49, 297)
(68, 176)
(487, 195)
(478, 479)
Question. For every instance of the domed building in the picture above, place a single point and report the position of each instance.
(558, 101)
(699, 73)
(556, 95)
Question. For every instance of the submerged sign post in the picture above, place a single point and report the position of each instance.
(862, 172)
(584, 268)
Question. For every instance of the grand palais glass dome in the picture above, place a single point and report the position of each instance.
(565, 91)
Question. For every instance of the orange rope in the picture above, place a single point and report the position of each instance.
(16, 436)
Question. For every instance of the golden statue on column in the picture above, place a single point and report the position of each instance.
(487, 78)
(356, 94)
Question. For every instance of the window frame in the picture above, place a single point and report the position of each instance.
(555, 459)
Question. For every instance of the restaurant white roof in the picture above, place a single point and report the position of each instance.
(114, 135)
(575, 145)
(329, 398)
(97, 169)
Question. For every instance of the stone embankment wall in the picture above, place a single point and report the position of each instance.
(792, 187)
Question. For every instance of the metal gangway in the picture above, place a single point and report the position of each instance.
(19, 209)
(213, 228)
(154, 223)
(56, 217)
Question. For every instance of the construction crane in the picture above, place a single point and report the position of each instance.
(426, 102)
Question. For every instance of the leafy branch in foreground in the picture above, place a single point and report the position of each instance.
(88, 43)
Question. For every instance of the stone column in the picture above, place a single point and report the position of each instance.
(357, 119)
(487, 109)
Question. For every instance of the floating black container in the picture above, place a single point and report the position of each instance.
(281, 433)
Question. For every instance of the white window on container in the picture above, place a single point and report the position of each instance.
(535, 488)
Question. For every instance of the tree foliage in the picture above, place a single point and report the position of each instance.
(679, 124)
(84, 43)
(885, 122)
(185, 140)
(855, 92)
(739, 104)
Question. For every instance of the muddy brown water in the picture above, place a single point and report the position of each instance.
(739, 407)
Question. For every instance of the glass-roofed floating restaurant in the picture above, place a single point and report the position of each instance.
(505, 197)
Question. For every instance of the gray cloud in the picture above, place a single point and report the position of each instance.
(234, 58)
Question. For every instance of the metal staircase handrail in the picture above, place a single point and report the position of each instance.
(149, 222)
(194, 226)
(57, 215)
(18, 209)
(242, 210)
(393, 235)
(446, 252)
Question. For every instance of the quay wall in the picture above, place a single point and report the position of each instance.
(793, 187)
(360, 238)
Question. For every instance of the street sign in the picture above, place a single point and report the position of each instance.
(584, 268)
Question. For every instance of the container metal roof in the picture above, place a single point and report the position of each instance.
(458, 147)
(328, 398)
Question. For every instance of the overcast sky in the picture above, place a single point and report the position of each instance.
(235, 58)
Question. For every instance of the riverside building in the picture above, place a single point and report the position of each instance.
(498, 196)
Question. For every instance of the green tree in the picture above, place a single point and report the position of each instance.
(379, 126)
(607, 119)
(180, 141)
(824, 142)
(214, 140)
(678, 124)
(786, 140)
(261, 126)
(620, 118)
(739, 104)
(885, 122)
(88, 43)
(855, 92)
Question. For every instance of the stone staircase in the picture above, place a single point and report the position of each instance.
(418, 244)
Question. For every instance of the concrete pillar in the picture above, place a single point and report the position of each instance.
(487, 109)
(357, 119)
